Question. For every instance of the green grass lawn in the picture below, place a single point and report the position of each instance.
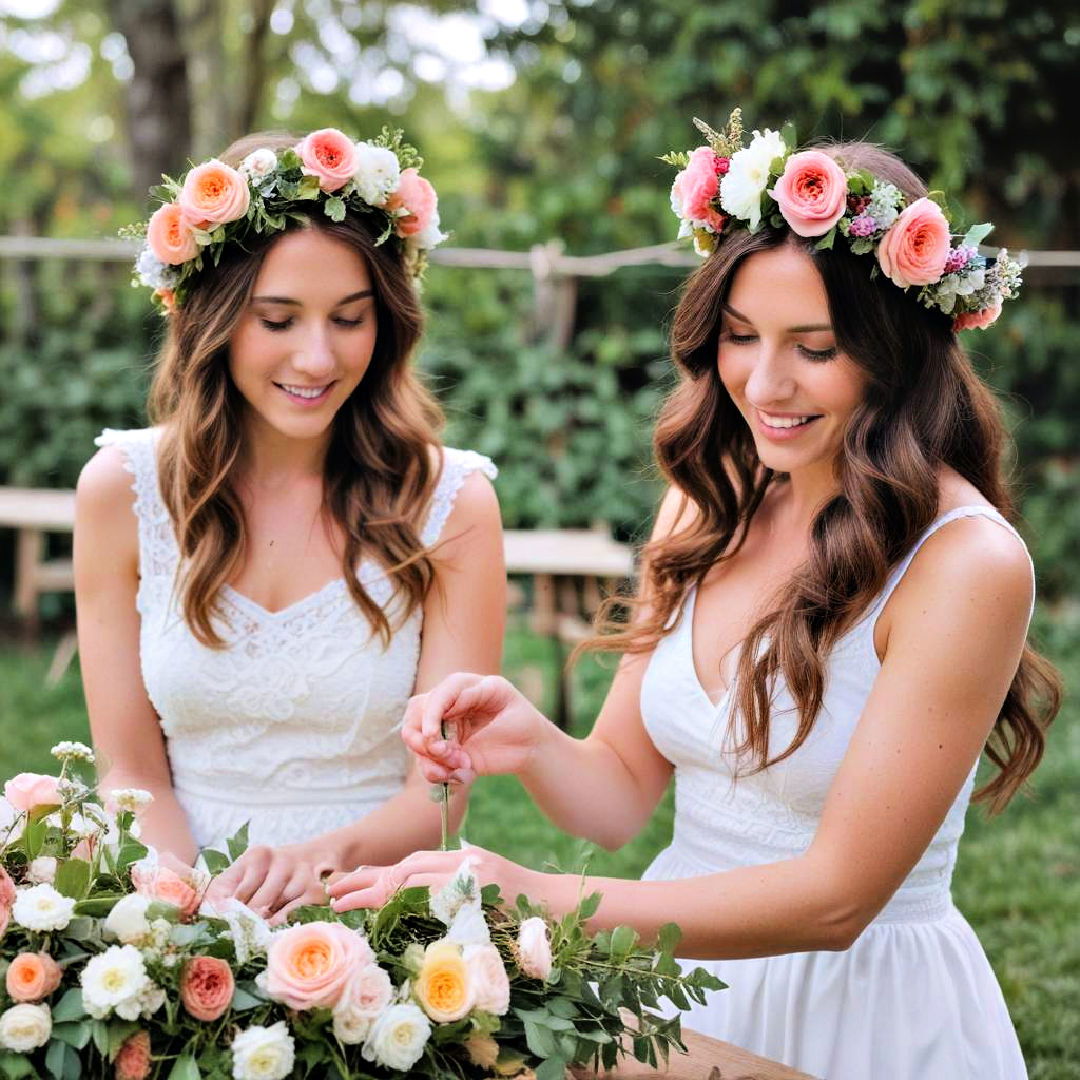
(1017, 881)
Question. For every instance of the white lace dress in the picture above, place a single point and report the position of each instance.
(914, 998)
(294, 727)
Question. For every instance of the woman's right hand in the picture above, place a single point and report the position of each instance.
(471, 725)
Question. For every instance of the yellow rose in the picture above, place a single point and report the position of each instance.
(442, 987)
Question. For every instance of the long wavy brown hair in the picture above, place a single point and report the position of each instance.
(924, 407)
(380, 470)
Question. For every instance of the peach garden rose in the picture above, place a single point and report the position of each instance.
(977, 320)
(32, 976)
(695, 188)
(170, 236)
(914, 250)
(330, 155)
(811, 193)
(28, 791)
(133, 1061)
(206, 987)
(418, 197)
(443, 985)
(213, 194)
(308, 966)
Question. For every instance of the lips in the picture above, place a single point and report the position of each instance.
(305, 393)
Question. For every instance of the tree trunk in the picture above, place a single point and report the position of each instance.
(251, 99)
(159, 93)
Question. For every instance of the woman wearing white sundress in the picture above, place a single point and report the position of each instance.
(831, 625)
(266, 576)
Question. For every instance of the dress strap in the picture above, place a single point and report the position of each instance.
(898, 571)
(457, 464)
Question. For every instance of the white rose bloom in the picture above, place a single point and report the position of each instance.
(114, 979)
(127, 921)
(748, 176)
(398, 1037)
(25, 1027)
(42, 908)
(263, 1053)
(431, 236)
(259, 163)
(367, 994)
(377, 173)
(42, 871)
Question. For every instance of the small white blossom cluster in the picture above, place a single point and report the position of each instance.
(116, 981)
(153, 273)
(76, 751)
(131, 799)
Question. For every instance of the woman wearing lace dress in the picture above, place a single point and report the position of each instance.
(266, 575)
(831, 625)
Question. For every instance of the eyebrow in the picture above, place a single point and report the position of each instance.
(361, 295)
(791, 329)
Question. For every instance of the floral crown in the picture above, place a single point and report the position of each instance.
(214, 205)
(724, 185)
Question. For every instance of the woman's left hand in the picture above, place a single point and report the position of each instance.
(372, 886)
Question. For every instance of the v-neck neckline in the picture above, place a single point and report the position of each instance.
(689, 607)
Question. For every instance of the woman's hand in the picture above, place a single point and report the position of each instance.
(372, 886)
(273, 881)
(490, 728)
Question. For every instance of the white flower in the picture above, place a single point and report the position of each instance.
(748, 176)
(469, 926)
(398, 1037)
(127, 921)
(131, 799)
(263, 1053)
(431, 236)
(42, 870)
(81, 825)
(249, 931)
(25, 1027)
(259, 163)
(534, 949)
(377, 173)
(12, 821)
(42, 908)
(115, 979)
(366, 995)
(153, 272)
(69, 748)
(462, 890)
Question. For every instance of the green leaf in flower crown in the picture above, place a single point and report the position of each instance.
(62, 1061)
(825, 243)
(623, 940)
(99, 906)
(69, 1007)
(977, 234)
(589, 906)
(131, 852)
(290, 159)
(75, 1034)
(216, 861)
(553, 1068)
(787, 133)
(15, 1066)
(334, 208)
(238, 842)
(82, 928)
(308, 188)
(32, 839)
(73, 878)
(185, 1068)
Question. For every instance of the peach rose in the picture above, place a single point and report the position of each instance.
(696, 187)
(914, 250)
(206, 987)
(811, 193)
(161, 883)
(308, 966)
(534, 949)
(443, 987)
(7, 898)
(490, 983)
(133, 1060)
(417, 196)
(977, 320)
(32, 976)
(170, 237)
(29, 790)
(330, 155)
(213, 194)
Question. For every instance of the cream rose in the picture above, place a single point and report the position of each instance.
(398, 1038)
(25, 1027)
(263, 1053)
(534, 949)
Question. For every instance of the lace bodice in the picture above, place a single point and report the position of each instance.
(294, 725)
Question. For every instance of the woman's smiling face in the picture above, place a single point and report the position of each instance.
(778, 359)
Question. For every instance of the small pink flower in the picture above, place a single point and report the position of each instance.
(206, 987)
(133, 1061)
(7, 898)
(695, 188)
(161, 883)
(308, 966)
(330, 155)
(28, 791)
(167, 298)
(534, 949)
(418, 197)
(959, 258)
(916, 247)
(811, 193)
(490, 983)
(213, 194)
(977, 320)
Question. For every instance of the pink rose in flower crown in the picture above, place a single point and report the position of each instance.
(487, 975)
(915, 249)
(206, 987)
(811, 193)
(32, 976)
(418, 197)
(330, 155)
(133, 1061)
(534, 949)
(308, 966)
(157, 882)
(977, 320)
(696, 187)
(7, 898)
(28, 791)
(170, 236)
(214, 194)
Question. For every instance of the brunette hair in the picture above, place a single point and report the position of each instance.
(924, 407)
(380, 471)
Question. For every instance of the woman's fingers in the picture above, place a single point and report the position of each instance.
(378, 894)
(272, 891)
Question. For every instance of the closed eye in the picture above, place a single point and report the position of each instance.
(741, 339)
(276, 327)
(349, 323)
(820, 355)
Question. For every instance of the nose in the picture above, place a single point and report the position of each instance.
(315, 357)
(772, 378)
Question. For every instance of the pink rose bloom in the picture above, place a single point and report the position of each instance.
(368, 991)
(308, 966)
(330, 155)
(133, 1060)
(915, 249)
(490, 983)
(161, 883)
(206, 987)
(29, 790)
(417, 196)
(170, 237)
(32, 976)
(977, 320)
(811, 193)
(7, 898)
(696, 187)
(213, 194)
(534, 949)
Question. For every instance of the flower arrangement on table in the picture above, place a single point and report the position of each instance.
(111, 966)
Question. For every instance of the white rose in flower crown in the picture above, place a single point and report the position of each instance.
(748, 176)
(398, 1037)
(25, 1027)
(42, 871)
(534, 948)
(115, 979)
(127, 921)
(377, 174)
(42, 908)
(259, 163)
(263, 1053)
